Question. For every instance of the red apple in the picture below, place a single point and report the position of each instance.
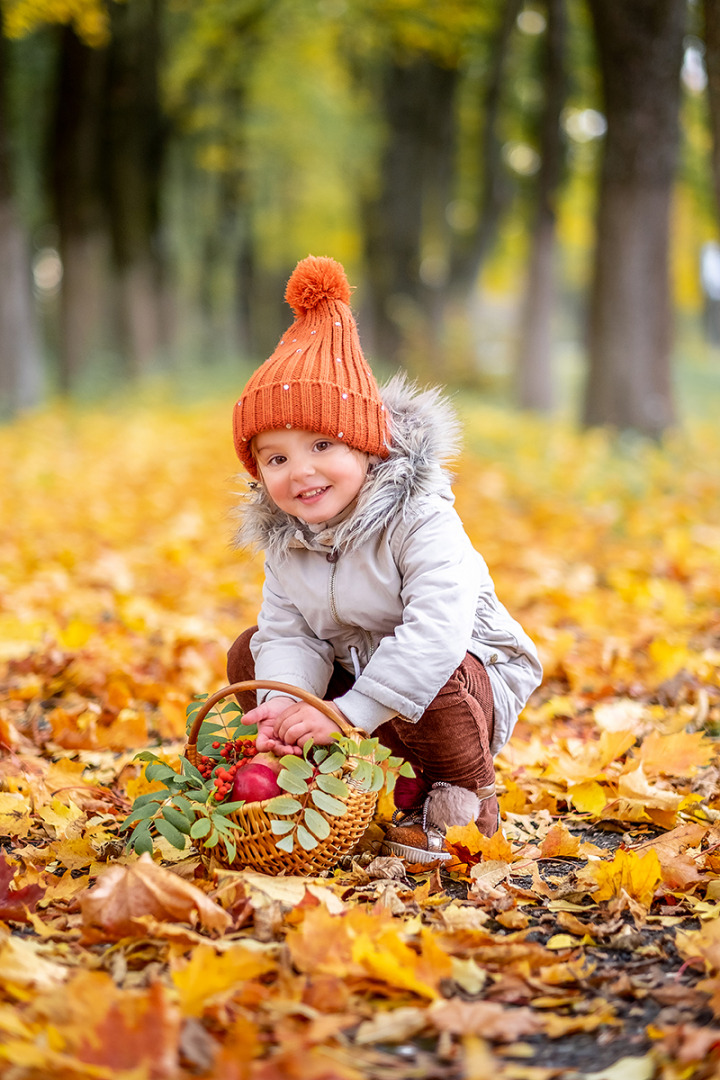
(255, 782)
(267, 758)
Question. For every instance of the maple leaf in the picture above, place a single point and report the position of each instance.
(111, 909)
(209, 977)
(679, 754)
(687, 1043)
(23, 967)
(679, 870)
(634, 785)
(559, 842)
(394, 1026)
(468, 845)
(589, 797)
(15, 903)
(138, 1030)
(588, 760)
(15, 820)
(391, 961)
(702, 944)
(628, 872)
(487, 1018)
(99, 1030)
(323, 942)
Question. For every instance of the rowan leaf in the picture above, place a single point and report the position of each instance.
(306, 839)
(281, 804)
(327, 803)
(279, 827)
(316, 823)
(333, 785)
(292, 782)
(171, 834)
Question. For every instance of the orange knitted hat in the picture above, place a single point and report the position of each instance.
(317, 379)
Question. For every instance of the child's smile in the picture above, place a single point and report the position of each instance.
(313, 477)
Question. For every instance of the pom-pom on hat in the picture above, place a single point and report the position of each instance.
(317, 379)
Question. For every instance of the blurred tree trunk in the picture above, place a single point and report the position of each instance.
(135, 141)
(533, 372)
(712, 61)
(630, 335)
(20, 368)
(470, 246)
(75, 151)
(418, 100)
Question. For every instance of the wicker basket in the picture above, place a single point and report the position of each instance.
(256, 844)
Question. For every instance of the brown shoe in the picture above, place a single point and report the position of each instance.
(410, 841)
(419, 837)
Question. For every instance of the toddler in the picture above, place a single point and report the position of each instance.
(374, 598)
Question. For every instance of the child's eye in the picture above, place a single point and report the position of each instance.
(323, 444)
(277, 459)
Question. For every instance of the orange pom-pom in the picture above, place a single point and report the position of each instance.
(315, 279)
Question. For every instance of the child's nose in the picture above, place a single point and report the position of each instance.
(303, 466)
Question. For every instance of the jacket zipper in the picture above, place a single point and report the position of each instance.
(333, 605)
(334, 611)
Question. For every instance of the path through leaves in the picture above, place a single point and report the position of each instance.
(582, 941)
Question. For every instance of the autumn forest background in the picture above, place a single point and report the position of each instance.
(527, 197)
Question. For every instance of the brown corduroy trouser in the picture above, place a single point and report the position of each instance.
(450, 742)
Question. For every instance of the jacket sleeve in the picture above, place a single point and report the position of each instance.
(284, 647)
(441, 578)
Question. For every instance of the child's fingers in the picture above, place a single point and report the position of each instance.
(281, 749)
(285, 723)
(295, 733)
(265, 743)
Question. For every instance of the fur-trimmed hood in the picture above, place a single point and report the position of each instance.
(425, 437)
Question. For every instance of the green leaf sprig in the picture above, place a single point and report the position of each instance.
(315, 789)
(185, 808)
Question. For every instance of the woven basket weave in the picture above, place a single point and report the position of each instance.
(256, 847)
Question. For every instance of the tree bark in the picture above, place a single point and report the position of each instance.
(75, 151)
(470, 247)
(712, 61)
(135, 142)
(418, 100)
(630, 330)
(533, 372)
(20, 365)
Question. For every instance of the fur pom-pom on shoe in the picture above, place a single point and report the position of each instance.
(419, 838)
(450, 805)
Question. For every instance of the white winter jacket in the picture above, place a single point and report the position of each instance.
(394, 592)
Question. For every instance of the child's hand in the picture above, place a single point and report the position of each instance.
(266, 717)
(302, 722)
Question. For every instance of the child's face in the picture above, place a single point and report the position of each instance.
(313, 477)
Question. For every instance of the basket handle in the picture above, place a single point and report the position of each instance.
(267, 684)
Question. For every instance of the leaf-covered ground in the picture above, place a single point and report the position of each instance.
(584, 940)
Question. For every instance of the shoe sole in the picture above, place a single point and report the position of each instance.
(414, 854)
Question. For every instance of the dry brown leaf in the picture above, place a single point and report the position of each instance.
(687, 1043)
(487, 1018)
(559, 842)
(393, 1026)
(22, 965)
(110, 909)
